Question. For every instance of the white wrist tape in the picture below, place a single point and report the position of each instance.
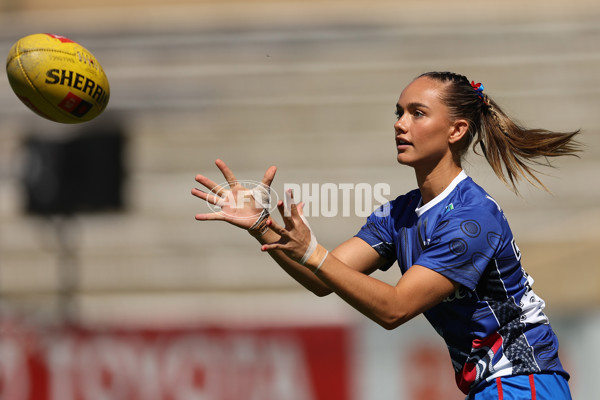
(310, 250)
(263, 215)
(260, 227)
(321, 263)
(315, 254)
(316, 258)
(262, 196)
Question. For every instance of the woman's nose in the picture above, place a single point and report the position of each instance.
(399, 125)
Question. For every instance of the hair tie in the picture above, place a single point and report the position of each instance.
(478, 87)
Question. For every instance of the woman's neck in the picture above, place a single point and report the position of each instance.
(433, 182)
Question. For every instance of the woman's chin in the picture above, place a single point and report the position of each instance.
(403, 160)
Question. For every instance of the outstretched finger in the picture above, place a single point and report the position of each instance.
(210, 185)
(278, 229)
(286, 215)
(291, 209)
(218, 216)
(272, 246)
(269, 176)
(227, 173)
(209, 198)
(300, 207)
(301, 214)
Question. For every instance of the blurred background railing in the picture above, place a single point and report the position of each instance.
(309, 86)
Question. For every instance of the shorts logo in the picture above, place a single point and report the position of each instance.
(75, 105)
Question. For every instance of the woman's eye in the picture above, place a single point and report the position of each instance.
(398, 114)
(418, 114)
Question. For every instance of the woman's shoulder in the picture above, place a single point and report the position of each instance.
(471, 194)
(407, 202)
(414, 196)
(472, 200)
(402, 206)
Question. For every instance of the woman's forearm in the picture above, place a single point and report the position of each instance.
(296, 270)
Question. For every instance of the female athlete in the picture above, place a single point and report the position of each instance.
(460, 264)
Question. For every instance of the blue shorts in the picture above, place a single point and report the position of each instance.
(525, 387)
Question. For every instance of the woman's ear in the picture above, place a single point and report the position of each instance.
(458, 130)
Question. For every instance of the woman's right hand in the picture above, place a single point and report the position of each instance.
(239, 205)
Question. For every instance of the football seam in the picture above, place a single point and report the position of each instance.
(18, 57)
(20, 63)
(19, 53)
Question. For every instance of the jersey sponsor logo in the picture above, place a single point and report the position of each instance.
(460, 293)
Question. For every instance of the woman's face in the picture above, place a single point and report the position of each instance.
(423, 128)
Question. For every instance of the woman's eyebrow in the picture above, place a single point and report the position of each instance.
(412, 105)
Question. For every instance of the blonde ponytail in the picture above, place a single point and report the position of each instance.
(511, 150)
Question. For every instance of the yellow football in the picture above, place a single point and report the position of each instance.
(57, 78)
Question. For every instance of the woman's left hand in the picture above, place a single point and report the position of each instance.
(295, 235)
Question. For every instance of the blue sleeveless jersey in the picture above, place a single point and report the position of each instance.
(494, 323)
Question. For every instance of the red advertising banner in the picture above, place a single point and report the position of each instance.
(304, 363)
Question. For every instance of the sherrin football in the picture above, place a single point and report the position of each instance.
(57, 78)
